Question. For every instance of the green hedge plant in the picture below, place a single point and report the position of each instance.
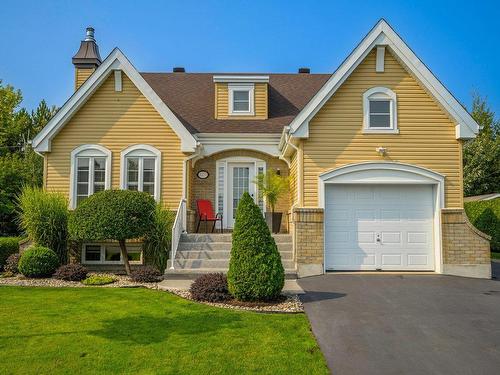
(255, 268)
(117, 215)
(158, 239)
(485, 216)
(8, 246)
(44, 218)
(38, 261)
(99, 280)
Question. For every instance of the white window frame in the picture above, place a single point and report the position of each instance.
(250, 87)
(141, 151)
(380, 93)
(103, 254)
(88, 151)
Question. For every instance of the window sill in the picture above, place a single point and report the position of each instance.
(380, 131)
(241, 114)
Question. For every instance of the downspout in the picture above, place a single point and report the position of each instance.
(299, 165)
(185, 180)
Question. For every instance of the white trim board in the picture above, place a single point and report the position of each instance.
(383, 35)
(116, 60)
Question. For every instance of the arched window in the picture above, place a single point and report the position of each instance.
(140, 169)
(90, 172)
(380, 111)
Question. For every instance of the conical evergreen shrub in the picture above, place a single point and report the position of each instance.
(255, 269)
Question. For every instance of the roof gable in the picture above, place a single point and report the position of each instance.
(116, 60)
(383, 34)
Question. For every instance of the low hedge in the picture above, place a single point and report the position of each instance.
(8, 246)
(485, 216)
(38, 261)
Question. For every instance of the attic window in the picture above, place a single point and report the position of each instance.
(380, 111)
(241, 99)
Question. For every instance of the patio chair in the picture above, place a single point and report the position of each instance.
(206, 214)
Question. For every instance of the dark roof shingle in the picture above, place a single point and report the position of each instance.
(191, 97)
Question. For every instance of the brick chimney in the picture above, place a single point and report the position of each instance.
(87, 59)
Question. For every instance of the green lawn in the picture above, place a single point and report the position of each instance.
(139, 331)
(495, 255)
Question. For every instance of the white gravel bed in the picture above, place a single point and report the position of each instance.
(121, 282)
(291, 304)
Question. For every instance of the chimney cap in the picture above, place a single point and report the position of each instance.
(88, 55)
(304, 70)
(179, 69)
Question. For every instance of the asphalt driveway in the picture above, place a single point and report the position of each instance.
(405, 324)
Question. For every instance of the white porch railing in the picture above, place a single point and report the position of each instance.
(178, 228)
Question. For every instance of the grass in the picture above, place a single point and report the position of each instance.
(495, 255)
(139, 331)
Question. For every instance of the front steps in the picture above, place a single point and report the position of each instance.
(200, 253)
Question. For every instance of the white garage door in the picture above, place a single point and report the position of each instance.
(386, 227)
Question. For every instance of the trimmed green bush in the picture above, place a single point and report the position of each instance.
(38, 261)
(485, 216)
(8, 246)
(113, 215)
(99, 280)
(158, 240)
(255, 269)
(44, 218)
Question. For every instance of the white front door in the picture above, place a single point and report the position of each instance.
(240, 180)
(386, 227)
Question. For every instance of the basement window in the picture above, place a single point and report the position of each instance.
(241, 99)
(380, 111)
(109, 253)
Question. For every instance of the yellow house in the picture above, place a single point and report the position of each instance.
(373, 152)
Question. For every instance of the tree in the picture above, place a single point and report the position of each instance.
(19, 164)
(481, 156)
(118, 215)
(255, 268)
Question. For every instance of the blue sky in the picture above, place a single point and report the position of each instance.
(459, 41)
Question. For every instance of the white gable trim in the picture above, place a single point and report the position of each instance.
(115, 61)
(383, 35)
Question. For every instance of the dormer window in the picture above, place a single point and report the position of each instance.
(241, 99)
(380, 111)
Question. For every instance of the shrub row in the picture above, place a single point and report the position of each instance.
(485, 216)
(8, 246)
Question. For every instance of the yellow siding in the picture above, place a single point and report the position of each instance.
(426, 138)
(117, 120)
(222, 102)
(81, 75)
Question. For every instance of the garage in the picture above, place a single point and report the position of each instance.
(382, 216)
(379, 227)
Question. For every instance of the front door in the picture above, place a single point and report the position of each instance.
(240, 180)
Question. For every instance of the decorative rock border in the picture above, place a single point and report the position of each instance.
(291, 304)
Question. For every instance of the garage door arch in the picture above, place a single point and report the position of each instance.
(389, 173)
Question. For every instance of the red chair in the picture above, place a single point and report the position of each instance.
(206, 214)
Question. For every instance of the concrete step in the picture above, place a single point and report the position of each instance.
(195, 264)
(181, 274)
(226, 237)
(222, 246)
(218, 254)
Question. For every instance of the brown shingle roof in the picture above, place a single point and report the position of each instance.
(191, 97)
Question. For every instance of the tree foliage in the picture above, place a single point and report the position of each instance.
(117, 215)
(481, 156)
(255, 268)
(19, 164)
(271, 186)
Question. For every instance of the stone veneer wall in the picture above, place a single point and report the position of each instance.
(466, 250)
(205, 189)
(308, 240)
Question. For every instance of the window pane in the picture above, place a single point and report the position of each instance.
(99, 164)
(98, 187)
(149, 188)
(134, 256)
(133, 164)
(241, 106)
(380, 106)
(241, 95)
(380, 121)
(148, 174)
(80, 198)
(82, 174)
(112, 254)
(132, 173)
(93, 253)
(82, 189)
(83, 163)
